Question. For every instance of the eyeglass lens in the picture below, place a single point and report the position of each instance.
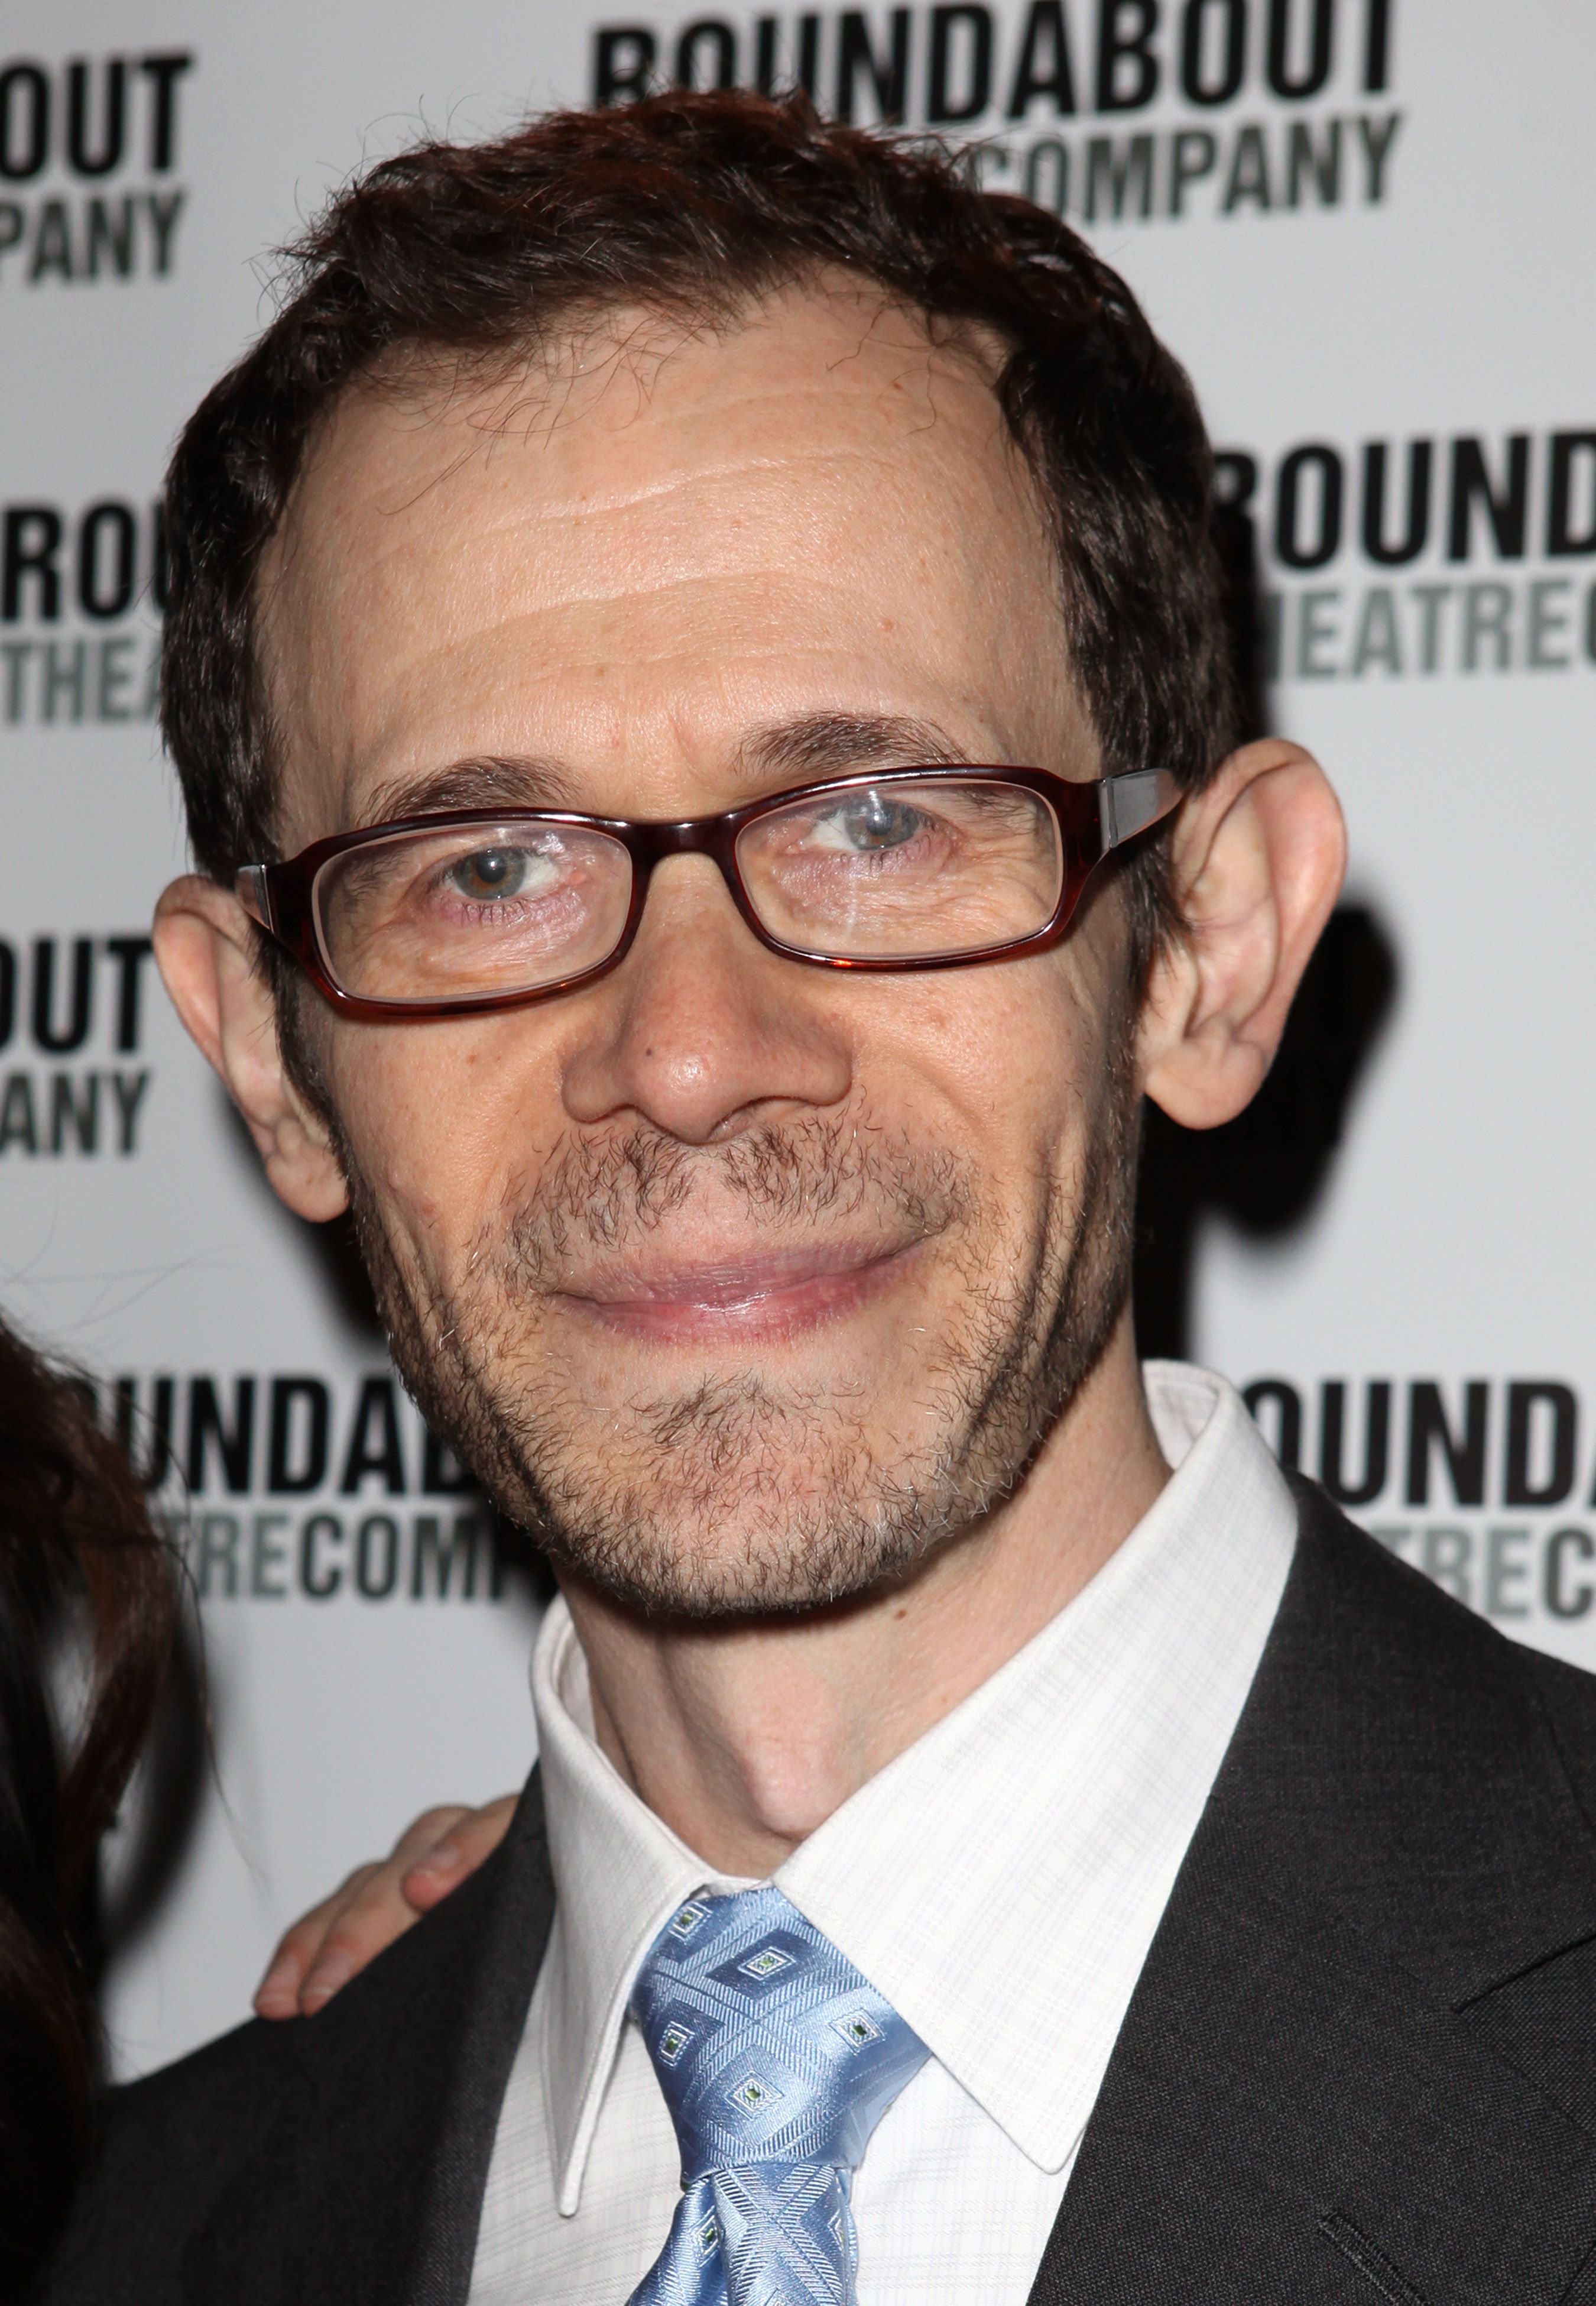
(895, 871)
(904, 872)
(461, 913)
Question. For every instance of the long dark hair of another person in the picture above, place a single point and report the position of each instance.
(83, 1575)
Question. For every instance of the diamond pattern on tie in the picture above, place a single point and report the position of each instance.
(777, 2060)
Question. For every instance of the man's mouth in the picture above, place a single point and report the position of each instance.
(765, 1297)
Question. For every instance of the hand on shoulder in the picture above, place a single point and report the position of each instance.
(377, 1903)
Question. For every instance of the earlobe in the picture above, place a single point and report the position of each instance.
(204, 945)
(1258, 859)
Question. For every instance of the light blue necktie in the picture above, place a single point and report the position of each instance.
(777, 2061)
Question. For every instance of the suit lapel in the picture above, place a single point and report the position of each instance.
(1307, 2100)
(379, 2139)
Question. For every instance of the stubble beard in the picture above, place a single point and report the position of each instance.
(741, 1495)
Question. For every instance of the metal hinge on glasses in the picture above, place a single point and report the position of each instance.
(250, 885)
(1128, 804)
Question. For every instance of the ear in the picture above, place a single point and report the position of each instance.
(1258, 859)
(205, 946)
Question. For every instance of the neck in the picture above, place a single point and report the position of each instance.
(744, 1737)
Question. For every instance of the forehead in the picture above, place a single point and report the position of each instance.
(643, 546)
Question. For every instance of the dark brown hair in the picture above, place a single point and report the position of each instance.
(691, 204)
(78, 1555)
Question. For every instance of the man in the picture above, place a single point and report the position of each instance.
(696, 667)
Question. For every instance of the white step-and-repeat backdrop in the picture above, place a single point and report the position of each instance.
(1364, 225)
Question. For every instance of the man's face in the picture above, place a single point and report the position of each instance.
(744, 1282)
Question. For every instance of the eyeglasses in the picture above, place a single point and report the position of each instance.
(888, 869)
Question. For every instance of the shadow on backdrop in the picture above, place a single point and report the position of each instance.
(1265, 1170)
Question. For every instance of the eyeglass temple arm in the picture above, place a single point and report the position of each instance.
(1128, 804)
(250, 887)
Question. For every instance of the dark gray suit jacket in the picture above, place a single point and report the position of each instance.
(1359, 2063)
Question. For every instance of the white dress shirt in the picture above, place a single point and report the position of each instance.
(1000, 1882)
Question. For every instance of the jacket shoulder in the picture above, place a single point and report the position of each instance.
(1405, 1615)
(169, 2146)
(315, 2160)
(1440, 1775)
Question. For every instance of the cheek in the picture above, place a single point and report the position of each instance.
(1015, 1057)
(445, 1121)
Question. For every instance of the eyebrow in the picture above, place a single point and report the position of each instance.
(482, 782)
(815, 746)
(830, 744)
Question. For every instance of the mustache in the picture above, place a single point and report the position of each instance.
(601, 1195)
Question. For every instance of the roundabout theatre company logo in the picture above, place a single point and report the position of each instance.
(1488, 1486)
(1106, 111)
(89, 152)
(1472, 553)
(82, 589)
(293, 1487)
(72, 1012)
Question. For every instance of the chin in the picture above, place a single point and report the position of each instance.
(747, 1528)
(740, 1574)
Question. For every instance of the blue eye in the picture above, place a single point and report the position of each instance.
(490, 873)
(870, 821)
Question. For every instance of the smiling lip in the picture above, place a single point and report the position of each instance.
(751, 1298)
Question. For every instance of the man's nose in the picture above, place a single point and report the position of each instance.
(702, 1030)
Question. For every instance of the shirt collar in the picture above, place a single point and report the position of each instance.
(620, 1873)
(1000, 1881)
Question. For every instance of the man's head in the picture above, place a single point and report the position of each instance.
(639, 466)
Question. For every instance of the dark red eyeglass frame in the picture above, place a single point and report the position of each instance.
(1093, 818)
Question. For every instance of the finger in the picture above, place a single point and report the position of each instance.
(277, 1994)
(363, 1927)
(335, 1940)
(364, 1924)
(375, 1914)
(474, 1834)
(425, 1833)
